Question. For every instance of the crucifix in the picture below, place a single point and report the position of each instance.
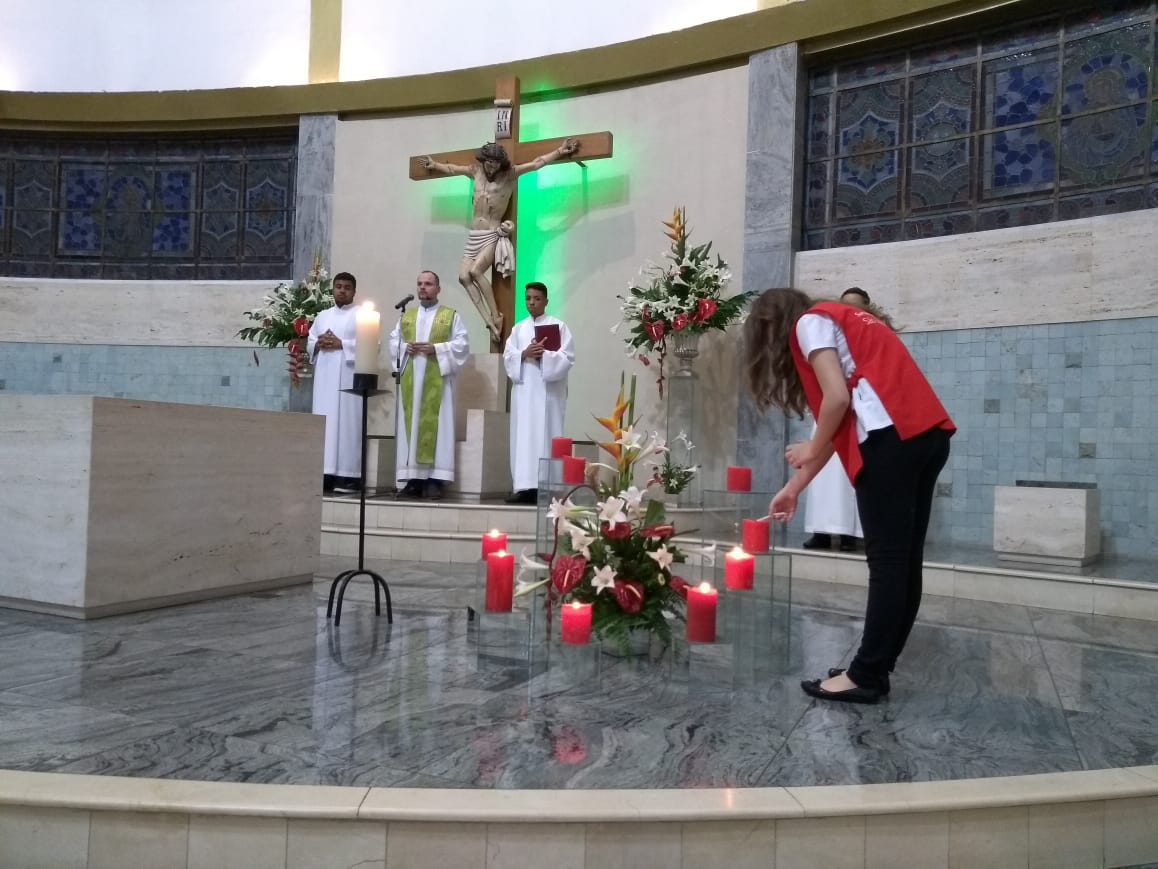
(495, 169)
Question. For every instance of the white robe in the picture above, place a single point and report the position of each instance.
(830, 502)
(333, 372)
(450, 357)
(538, 398)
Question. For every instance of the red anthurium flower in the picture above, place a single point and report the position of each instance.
(567, 572)
(295, 348)
(705, 308)
(658, 532)
(679, 322)
(620, 532)
(629, 595)
(680, 586)
(301, 327)
(654, 331)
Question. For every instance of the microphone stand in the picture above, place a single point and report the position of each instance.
(401, 360)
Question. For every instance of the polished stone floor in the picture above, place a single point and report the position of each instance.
(261, 688)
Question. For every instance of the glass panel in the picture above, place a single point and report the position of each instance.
(941, 104)
(871, 70)
(80, 233)
(267, 185)
(943, 54)
(32, 183)
(1101, 202)
(816, 205)
(31, 233)
(1107, 69)
(874, 233)
(867, 185)
(220, 235)
(1020, 160)
(939, 175)
(82, 186)
(266, 234)
(869, 118)
(172, 235)
(1104, 148)
(130, 187)
(1020, 89)
(128, 234)
(1021, 214)
(221, 186)
(941, 224)
(1106, 13)
(820, 127)
(175, 187)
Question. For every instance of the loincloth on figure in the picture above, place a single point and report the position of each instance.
(478, 240)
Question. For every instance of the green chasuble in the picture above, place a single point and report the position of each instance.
(431, 399)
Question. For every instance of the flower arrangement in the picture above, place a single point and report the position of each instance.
(672, 476)
(287, 314)
(685, 293)
(617, 555)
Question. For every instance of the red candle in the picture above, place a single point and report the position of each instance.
(576, 618)
(560, 448)
(493, 541)
(754, 538)
(500, 582)
(739, 479)
(702, 614)
(573, 470)
(739, 568)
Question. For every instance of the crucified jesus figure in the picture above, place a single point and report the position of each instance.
(489, 242)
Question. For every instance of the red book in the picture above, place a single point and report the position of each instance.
(550, 332)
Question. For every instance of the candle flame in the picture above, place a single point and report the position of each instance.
(367, 306)
(494, 532)
(705, 588)
(737, 552)
(575, 605)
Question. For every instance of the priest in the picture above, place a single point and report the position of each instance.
(331, 349)
(538, 357)
(433, 345)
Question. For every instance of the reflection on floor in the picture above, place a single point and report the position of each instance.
(260, 688)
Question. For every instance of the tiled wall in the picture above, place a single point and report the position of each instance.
(224, 376)
(1068, 402)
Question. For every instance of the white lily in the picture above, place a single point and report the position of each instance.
(604, 578)
(564, 509)
(632, 500)
(580, 541)
(630, 438)
(662, 557)
(529, 565)
(611, 512)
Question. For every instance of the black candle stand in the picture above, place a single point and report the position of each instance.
(365, 385)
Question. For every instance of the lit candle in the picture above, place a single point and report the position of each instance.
(754, 538)
(576, 629)
(500, 593)
(493, 541)
(702, 614)
(560, 447)
(573, 470)
(366, 329)
(739, 479)
(739, 568)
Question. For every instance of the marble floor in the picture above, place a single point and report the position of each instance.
(260, 688)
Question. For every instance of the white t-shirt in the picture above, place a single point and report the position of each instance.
(817, 332)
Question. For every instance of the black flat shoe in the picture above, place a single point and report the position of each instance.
(818, 541)
(836, 671)
(847, 543)
(852, 695)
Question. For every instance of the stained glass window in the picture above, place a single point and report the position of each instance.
(218, 208)
(1050, 120)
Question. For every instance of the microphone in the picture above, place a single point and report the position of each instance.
(406, 300)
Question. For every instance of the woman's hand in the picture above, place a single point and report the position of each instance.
(799, 455)
(783, 505)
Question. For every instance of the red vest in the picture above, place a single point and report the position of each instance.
(882, 359)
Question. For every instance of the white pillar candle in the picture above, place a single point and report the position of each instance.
(367, 330)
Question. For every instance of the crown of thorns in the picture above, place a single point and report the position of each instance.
(492, 151)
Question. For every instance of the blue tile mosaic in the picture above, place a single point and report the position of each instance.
(222, 376)
(1107, 69)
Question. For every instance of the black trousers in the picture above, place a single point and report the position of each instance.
(894, 493)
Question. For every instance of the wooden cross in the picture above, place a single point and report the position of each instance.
(592, 146)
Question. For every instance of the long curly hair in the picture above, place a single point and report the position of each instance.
(772, 376)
